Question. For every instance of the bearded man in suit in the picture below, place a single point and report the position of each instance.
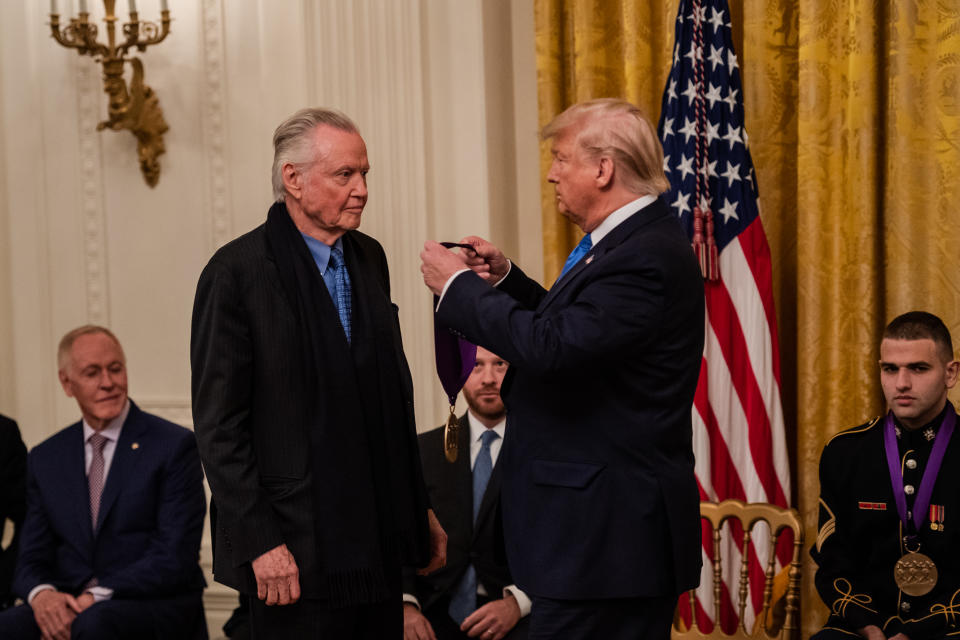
(474, 595)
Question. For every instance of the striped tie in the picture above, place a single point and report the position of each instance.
(95, 476)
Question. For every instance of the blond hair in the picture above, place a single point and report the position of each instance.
(617, 129)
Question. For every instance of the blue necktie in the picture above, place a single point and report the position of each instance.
(463, 602)
(578, 252)
(342, 280)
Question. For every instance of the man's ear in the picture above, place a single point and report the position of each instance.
(65, 382)
(953, 371)
(605, 171)
(292, 179)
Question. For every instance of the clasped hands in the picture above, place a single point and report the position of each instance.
(55, 611)
(439, 263)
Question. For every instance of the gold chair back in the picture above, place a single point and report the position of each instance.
(778, 520)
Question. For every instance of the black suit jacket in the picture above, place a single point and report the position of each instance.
(147, 542)
(13, 498)
(450, 487)
(252, 404)
(600, 498)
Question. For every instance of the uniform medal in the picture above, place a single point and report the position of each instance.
(455, 360)
(916, 573)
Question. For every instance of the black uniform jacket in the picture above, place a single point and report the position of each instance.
(861, 538)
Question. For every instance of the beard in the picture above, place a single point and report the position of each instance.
(486, 410)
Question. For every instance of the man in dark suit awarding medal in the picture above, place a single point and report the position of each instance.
(886, 549)
(600, 506)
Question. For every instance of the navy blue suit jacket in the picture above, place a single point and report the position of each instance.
(147, 540)
(600, 498)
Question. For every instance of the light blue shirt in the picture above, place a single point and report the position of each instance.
(321, 256)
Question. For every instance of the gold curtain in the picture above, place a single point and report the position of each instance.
(853, 111)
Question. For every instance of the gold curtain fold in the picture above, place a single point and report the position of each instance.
(853, 112)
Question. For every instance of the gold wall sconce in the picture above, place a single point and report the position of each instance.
(136, 107)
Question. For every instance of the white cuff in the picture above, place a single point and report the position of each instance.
(446, 285)
(100, 593)
(509, 267)
(523, 601)
(37, 589)
(412, 599)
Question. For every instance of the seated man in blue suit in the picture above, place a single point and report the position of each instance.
(115, 509)
(473, 596)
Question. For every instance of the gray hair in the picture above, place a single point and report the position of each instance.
(66, 342)
(619, 130)
(291, 140)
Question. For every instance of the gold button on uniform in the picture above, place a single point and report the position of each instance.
(911, 464)
(908, 489)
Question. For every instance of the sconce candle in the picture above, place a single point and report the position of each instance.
(134, 107)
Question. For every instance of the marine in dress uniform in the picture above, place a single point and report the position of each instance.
(861, 536)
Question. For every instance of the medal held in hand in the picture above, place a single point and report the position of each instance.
(916, 573)
(455, 360)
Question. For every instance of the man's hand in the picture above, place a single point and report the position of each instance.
(438, 545)
(900, 636)
(438, 264)
(415, 625)
(84, 601)
(485, 259)
(54, 612)
(493, 620)
(278, 578)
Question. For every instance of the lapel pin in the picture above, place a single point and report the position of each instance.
(588, 260)
(135, 446)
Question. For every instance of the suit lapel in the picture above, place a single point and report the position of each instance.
(618, 234)
(74, 483)
(463, 477)
(125, 457)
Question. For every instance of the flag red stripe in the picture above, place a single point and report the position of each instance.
(726, 325)
(753, 242)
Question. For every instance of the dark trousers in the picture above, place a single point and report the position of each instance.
(180, 617)
(446, 629)
(614, 619)
(314, 619)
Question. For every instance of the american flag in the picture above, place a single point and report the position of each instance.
(738, 430)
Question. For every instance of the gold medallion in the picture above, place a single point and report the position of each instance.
(450, 436)
(915, 574)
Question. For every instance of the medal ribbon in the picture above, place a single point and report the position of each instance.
(455, 356)
(922, 502)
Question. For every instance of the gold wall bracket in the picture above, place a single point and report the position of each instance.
(136, 107)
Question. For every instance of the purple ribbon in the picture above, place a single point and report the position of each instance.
(455, 356)
(922, 502)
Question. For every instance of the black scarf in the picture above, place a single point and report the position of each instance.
(369, 512)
